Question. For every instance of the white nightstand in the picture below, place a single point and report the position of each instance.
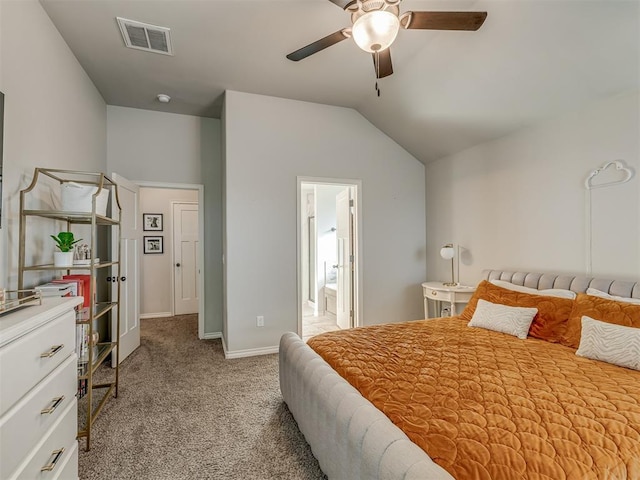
(438, 292)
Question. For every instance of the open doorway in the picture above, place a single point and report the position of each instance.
(329, 240)
(171, 275)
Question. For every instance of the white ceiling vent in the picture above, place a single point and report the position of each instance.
(143, 36)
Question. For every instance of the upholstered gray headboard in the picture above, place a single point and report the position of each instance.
(578, 284)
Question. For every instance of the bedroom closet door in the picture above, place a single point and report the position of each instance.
(185, 258)
(344, 238)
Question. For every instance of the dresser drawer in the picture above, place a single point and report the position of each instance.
(28, 421)
(69, 467)
(30, 358)
(62, 435)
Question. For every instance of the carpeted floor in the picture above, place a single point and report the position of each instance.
(184, 412)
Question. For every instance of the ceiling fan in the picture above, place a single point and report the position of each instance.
(375, 24)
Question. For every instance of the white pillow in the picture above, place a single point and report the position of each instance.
(501, 318)
(601, 294)
(610, 343)
(551, 292)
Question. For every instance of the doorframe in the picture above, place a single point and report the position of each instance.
(358, 283)
(200, 189)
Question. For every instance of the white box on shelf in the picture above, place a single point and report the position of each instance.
(77, 198)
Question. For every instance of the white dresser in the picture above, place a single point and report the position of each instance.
(38, 385)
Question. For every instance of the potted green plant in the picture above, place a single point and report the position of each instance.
(65, 242)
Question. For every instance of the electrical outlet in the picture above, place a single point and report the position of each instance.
(259, 321)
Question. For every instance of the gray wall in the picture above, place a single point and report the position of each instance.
(151, 146)
(54, 117)
(269, 143)
(211, 169)
(519, 202)
(154, 146)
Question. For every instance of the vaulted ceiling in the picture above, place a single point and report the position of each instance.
(531, 60)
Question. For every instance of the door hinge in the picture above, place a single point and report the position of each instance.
(351, 313)
(351, 203)
(351, 258)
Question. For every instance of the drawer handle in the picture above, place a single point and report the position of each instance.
(56, 454)
(434, 293)
(55, 403)
(52, 351)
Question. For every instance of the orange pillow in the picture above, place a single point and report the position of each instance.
(553, 313)
(603, 309)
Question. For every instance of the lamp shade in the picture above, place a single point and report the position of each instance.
(447, 252)
(375, 31)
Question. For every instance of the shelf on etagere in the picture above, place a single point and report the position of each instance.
(100, 352)
(73, 217)
(51, 266)
(99, 309)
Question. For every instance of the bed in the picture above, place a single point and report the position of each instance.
(372, 402)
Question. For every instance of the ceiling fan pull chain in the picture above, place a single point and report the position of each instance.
(377, 62)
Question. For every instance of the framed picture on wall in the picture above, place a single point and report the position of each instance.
(152, 222)
(153, 244)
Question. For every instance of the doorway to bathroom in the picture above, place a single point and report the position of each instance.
(328, 261)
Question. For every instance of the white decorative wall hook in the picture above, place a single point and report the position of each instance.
(619, 165)
(627, 174)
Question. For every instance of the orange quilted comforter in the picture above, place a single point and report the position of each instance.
(485, 405)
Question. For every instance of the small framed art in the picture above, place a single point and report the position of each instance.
(152, 222)
(153, 244)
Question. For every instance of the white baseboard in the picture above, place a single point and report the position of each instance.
(251, 352)
(211, 335)
(156, 315)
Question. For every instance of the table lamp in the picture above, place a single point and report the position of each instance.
(448, 252)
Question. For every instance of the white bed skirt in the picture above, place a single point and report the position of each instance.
(350, 437)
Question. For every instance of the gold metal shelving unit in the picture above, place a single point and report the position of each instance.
(98, 311)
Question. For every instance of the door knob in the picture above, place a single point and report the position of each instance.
(177, 264)
(123, 279)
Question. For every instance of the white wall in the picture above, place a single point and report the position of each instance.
(54, 117)
(156, 272)
(269, 142)
(163, 147)
(519, 202)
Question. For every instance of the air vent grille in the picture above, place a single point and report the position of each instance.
(143, 36)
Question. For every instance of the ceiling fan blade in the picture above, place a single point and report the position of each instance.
(382, 63)
(318, 45)
(443, 20)
(343, 4)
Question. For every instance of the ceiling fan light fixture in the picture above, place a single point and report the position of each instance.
(375, 31)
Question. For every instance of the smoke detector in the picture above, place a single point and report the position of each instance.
(163, 98)
(144, 36)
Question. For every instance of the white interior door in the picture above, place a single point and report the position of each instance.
(129, 274)
(344, 236)
(185, 258)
